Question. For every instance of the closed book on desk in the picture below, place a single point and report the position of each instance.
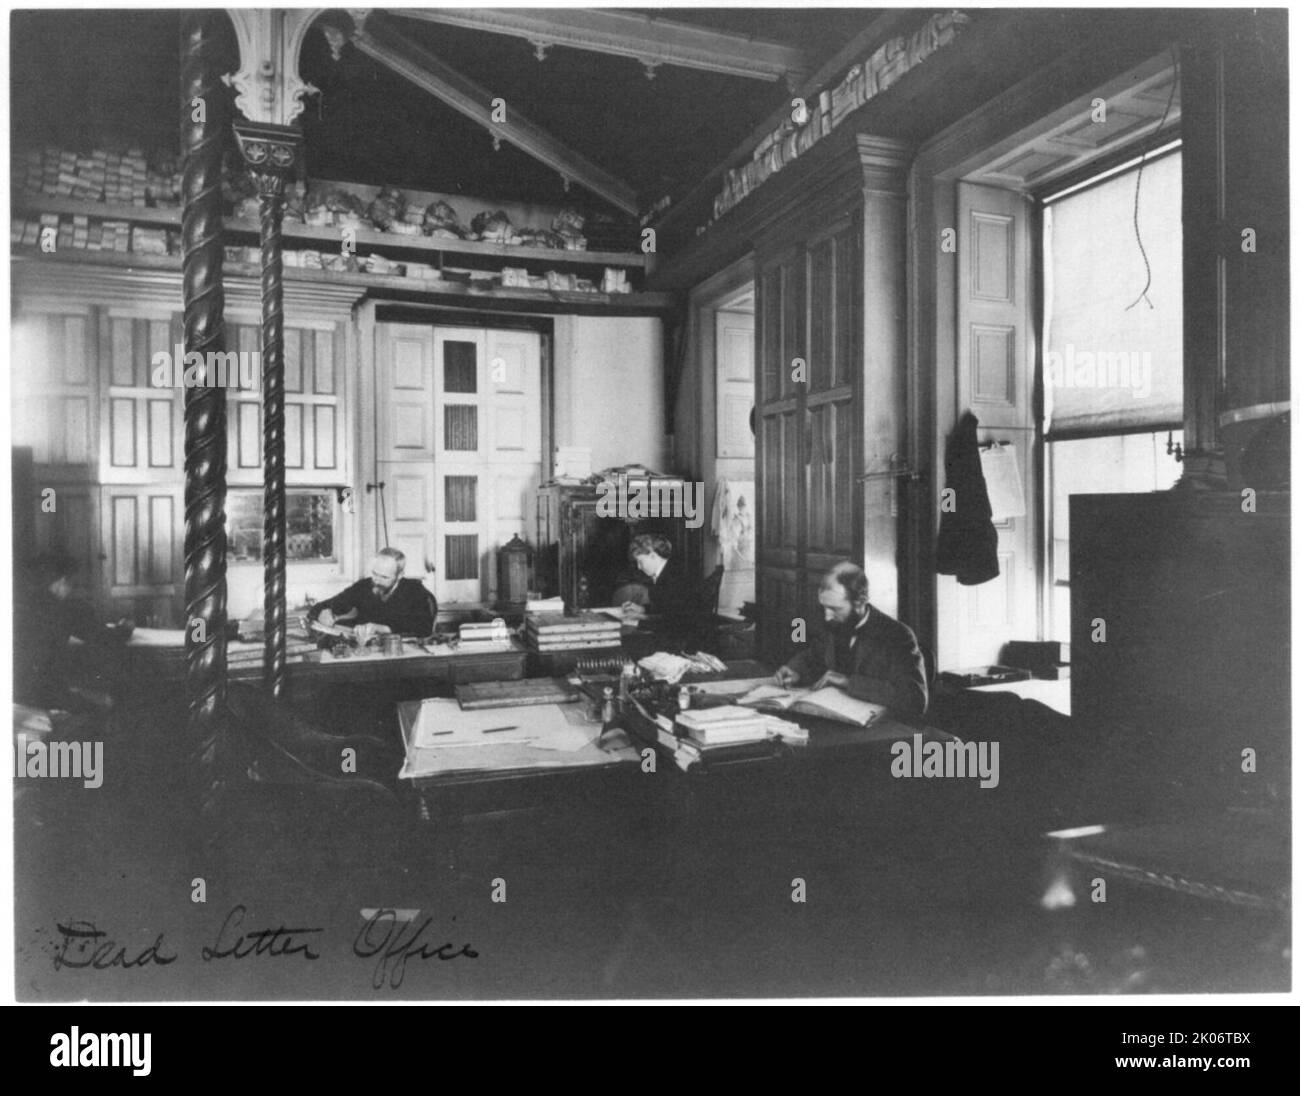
(558, 623)
(690, 752)
(577, 643)
(729, 725)
(828, 703)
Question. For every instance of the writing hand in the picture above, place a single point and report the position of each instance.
(831, 678)
(326, 616)
(786, 677)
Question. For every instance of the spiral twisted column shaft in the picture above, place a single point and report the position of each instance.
(202, 139)
(271, 153)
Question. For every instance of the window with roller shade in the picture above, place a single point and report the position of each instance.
(1113, 355)
(1113, 363)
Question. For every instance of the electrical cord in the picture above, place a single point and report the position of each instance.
(1137, 191)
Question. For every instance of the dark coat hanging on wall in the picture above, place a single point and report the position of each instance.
(968, 542)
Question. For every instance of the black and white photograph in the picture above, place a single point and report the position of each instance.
(618, 504)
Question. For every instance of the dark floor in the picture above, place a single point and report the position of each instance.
(605, 896)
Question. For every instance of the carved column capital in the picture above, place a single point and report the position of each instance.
(271, 153)
(267, 84)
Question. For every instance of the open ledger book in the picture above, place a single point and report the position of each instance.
(829, 703)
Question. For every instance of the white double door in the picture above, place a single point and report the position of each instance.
(459, 449)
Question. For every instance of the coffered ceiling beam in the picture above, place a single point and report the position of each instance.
(644, 38)
(440, 80)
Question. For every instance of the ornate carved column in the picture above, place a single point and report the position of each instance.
(267, 85)
(271, 153)
(203, 98)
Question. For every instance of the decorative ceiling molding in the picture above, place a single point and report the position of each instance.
(391, 49)
(269, 88)
(1121, 112)
(1054, 98)
(627, 34)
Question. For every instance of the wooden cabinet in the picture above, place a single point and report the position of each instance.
(574, 539)
(110, 444)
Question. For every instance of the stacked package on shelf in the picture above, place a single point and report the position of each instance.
(98, 176)
(86, 233)
(557, 632)
(149, 241)
(117, 236)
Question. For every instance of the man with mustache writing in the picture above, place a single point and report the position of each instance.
(869, 655)
(384, 602)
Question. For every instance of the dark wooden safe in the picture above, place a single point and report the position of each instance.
(1180, 642)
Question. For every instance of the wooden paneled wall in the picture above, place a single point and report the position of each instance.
(110, 443)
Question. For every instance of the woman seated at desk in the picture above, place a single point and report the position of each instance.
(673, 610)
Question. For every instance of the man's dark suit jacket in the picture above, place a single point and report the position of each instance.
(410, 610)
(884, 666)
(43, 624)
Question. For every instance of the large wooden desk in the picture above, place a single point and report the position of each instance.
(455, 667)
(843, 772)
(512, 777)
(154, 657)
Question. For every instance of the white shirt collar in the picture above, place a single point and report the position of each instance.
(858, 626)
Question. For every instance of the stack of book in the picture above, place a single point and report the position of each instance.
(545, 605)
(494, 636)
(731, 724)
(557, 632)
(717, 734)
(731, 732)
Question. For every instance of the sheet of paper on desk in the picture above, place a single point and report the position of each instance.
(566, 739)
(443, 723)
(553, 742)
(157, 637)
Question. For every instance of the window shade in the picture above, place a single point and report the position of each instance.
(1107, 367)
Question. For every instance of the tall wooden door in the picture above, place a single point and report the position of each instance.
(459, 448)
(809, 434)
(995, 380)
(830, 321)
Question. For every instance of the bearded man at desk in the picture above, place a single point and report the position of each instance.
(384, 602)
(869, 655)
